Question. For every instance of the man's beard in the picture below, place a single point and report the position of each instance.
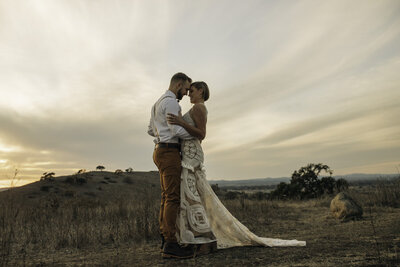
(179, 96)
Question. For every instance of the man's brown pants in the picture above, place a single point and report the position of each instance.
(168, 161)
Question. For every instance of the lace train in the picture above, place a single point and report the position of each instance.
(202, 217)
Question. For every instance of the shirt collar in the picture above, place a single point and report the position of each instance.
(170, 93)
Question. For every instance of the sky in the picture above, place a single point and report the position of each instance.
(291, 83)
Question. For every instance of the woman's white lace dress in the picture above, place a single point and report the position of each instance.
(202, 217)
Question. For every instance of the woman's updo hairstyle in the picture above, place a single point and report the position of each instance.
(204, 86)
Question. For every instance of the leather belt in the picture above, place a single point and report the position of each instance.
(168, 145)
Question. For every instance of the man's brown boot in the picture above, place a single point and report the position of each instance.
(174, 250)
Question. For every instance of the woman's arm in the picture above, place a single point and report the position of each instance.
(199, 116)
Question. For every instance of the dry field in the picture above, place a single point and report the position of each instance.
(111, 220)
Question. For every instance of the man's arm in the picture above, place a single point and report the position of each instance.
(172, 107)
(199, 116)
(150, 130)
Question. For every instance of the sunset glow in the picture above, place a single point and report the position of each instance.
(291, 82)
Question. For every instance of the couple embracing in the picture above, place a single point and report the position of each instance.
(192, 219)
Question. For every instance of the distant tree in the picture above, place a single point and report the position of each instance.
(101, 168)
(306, 183)
(118, 171)
(81, 171)
(47, 176)
(129, 170)
(306, 178)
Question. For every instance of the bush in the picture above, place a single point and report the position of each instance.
(341, 185)
(285, 191)
(305, 183)
(327, 185)
(47, 176)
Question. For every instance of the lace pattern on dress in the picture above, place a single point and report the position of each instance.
(202, 217)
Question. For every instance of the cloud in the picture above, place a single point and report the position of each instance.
(291, 83)
(69, 145)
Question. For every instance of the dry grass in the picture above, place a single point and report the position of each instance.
(384, 193)
(85, 230)
(57, 221)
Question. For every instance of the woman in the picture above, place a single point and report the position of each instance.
(203, 219)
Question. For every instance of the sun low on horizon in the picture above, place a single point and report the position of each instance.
(291, 83)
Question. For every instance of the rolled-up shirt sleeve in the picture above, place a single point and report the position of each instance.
(178, 131)
(150, 128)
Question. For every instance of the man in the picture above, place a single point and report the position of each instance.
(168, 160)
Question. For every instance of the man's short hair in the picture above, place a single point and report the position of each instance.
(180, 76)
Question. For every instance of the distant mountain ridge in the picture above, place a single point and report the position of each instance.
(274, 181)
(153, 176)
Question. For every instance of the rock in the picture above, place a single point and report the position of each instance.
(345, 208)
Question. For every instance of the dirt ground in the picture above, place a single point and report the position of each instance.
(371, 241)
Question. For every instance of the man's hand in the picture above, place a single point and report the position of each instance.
(175, 120)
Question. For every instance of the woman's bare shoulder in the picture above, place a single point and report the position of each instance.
(199, 107)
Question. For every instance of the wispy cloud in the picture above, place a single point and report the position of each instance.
(291, 82)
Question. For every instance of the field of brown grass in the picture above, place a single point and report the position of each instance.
(111, 220)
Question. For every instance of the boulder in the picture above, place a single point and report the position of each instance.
(345, 208)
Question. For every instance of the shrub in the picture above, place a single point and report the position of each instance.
(341, 185)
(47, 176)
(81, 171)
(305, 183)
(327, 185)
(285, 191)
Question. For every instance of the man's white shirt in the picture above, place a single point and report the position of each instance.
(159, 127)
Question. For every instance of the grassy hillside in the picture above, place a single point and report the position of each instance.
(111, 220)
(100, 185)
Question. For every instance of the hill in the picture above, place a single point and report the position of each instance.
(98, 185)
